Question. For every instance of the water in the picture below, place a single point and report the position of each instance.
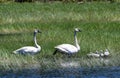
(108, 72)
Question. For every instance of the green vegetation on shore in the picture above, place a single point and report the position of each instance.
(99, 22)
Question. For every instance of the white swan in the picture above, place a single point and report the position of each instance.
(93, 55)
(29, 49)
(101, 53)
(106, 53)
(68, 48)
(96, 54)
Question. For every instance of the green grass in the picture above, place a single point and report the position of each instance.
(99, 22)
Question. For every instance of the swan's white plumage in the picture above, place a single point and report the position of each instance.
(106, 53)
(101, 53)
(68, 48)
(93, 55)
(29, 49)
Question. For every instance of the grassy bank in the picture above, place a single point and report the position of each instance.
(99, 23)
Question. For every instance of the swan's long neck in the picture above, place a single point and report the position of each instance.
(36, 41)
(76, 41)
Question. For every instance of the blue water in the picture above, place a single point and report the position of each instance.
(109, 72)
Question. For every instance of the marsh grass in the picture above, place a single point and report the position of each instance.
(99, 23)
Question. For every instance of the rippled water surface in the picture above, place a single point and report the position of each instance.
(110, 72)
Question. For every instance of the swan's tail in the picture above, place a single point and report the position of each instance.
(15, 52)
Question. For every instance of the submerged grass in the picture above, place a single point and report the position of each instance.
(99, 23)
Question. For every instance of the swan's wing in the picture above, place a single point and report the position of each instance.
(67, 48)
(27, 49)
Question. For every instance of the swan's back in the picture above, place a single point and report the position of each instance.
(27, 50)
(67, 48)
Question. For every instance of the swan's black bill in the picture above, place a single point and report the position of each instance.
(79, 30)
(39, 31)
